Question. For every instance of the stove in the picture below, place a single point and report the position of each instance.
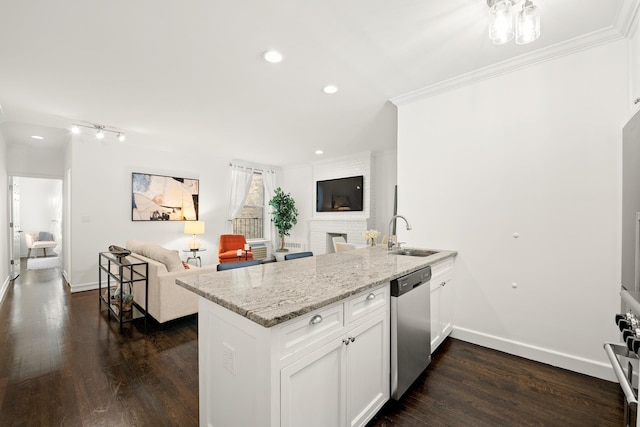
(625, 361)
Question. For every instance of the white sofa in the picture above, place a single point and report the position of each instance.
(167, 301)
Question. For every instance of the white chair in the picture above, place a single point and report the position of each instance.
(342, 247)
(337, 239)
(34, 242)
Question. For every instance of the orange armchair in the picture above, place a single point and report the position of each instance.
(228, 248)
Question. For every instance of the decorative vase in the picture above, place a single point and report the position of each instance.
(372, 242)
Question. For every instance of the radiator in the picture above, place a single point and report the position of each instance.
(259, 251)
(295, 246)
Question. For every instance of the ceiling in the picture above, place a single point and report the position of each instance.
(183, 74)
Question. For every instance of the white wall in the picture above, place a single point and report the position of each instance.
(101, 201)
(4, 220)
(40, 209)
(385, 171)
(27, 160)
(535, 152)
(298, 180)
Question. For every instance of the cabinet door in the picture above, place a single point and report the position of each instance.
(313, 388)
(634, 71)
(446, 308)
(367, 369)
(436, 324)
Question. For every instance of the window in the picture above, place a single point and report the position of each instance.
(250, 221)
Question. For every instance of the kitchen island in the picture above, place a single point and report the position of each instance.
(302, 342)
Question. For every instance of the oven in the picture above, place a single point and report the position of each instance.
(625, 361)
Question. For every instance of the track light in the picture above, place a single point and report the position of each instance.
(100, 131)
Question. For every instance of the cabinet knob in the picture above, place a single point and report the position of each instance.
(345, 341)
(443, 283)
(353, 339)
(636, 101)
(315, 319)
(371, 296)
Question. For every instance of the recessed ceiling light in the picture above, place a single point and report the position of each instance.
(75, 129)
(272, 56)
(318, 152)
(37, 137)
(330, 89)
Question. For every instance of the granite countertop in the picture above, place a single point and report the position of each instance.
(272, 293)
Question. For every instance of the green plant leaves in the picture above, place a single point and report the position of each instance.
(285, 214)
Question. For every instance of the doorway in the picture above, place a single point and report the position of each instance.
(37, 216)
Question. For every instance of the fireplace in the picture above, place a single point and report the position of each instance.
(323, 230)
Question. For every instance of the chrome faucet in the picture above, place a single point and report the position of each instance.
(390, 240)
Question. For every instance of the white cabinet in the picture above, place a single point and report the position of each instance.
(329, 367)
(441, 302)
(634, 68)
(344, 383)
(313, 388)
(367, 370)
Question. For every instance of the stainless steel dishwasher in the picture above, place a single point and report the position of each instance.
(410, 329)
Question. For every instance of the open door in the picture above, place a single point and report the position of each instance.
(14, 227)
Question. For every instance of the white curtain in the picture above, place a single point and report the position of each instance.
(240, 184)
(269, 181)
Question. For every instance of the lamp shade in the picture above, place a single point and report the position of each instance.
(194, 227)
(527, 24)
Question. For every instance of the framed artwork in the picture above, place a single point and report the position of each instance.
(163, 198)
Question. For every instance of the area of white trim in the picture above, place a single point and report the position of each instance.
(544, 355)
(4, 288)
(577, 44)
(83, 287)
(627, 16)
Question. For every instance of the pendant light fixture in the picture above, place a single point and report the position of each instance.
(501, 22)
(527, 23)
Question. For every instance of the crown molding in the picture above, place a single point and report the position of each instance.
(577, 44)
(627, 17)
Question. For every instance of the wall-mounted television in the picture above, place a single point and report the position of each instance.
(340, 195)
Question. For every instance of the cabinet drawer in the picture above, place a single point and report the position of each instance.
(367, 302)
(310, 329)
(442, 272)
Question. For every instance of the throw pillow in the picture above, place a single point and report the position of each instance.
(171, 259)
(45, 236)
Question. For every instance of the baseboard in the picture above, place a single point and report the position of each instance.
(539, 354)
(4, 288)
(83, 287)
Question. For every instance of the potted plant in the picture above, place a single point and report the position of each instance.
(285, 214)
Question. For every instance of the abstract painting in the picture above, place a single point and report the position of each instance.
(163, 198)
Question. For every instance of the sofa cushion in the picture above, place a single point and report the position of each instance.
(171, 259)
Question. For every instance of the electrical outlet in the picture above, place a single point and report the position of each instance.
(229, 358)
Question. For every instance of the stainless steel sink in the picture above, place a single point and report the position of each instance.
(413, 252)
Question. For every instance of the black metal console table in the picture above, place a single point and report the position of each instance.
(122, 272)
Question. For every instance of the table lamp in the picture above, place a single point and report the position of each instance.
(194, 227)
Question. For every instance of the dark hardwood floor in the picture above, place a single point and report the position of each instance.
(469, 385)
(63, 364)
